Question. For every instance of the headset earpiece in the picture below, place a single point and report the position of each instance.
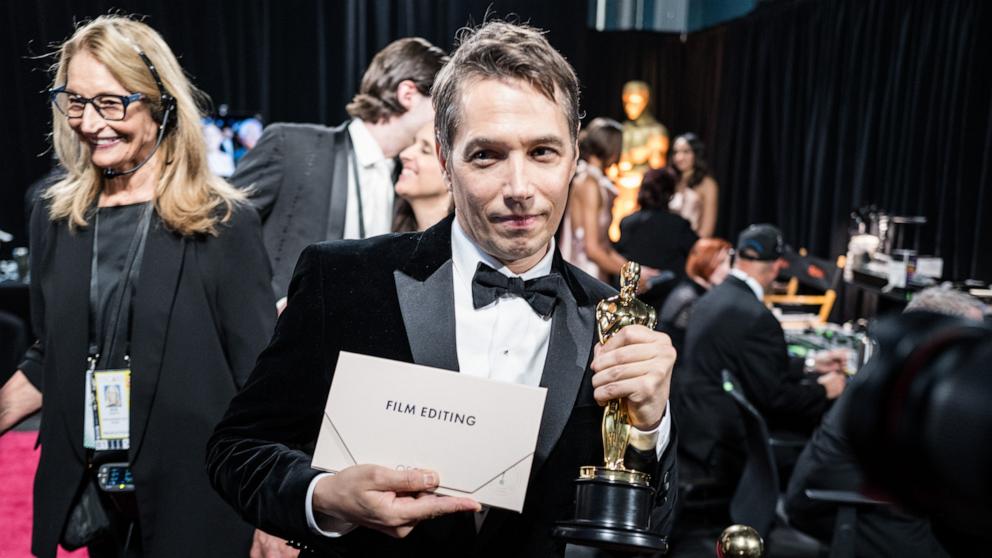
(166, 114)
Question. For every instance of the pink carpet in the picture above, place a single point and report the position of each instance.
(18, 461)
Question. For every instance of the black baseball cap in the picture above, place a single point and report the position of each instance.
(762, 242)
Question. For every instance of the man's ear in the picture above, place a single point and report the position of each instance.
(406, 93)
(575, 159)
(443, 161)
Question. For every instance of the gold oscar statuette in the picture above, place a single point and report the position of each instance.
(613, 503)
(612, 315)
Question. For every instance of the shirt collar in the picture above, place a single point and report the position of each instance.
(367, 150)
(466, 255)
(759, 291)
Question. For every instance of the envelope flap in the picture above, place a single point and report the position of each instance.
(471, 430)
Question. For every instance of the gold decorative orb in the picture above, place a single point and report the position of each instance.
(739, 540)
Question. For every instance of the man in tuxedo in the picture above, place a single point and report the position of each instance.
(484, 292)
(731, 329)
(312, 183)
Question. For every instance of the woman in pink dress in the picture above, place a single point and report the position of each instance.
(696, 197)
(583, 241)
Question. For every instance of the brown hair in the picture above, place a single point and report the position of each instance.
(503, 51)
(601, 138)
(405, 220)
(657, 189)
(705, 257)
(188, 197)
(413, 59)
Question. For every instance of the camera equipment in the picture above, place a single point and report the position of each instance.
(920, 421)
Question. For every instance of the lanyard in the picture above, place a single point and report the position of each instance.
(358, 186)
(121, 304)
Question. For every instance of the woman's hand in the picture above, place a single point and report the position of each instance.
(18, 400)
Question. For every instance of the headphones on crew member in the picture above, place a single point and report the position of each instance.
(161, 114)
(167, 103)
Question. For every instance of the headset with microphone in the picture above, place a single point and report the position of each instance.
(168, 106)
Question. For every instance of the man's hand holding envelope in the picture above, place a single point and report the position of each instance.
(385, 499)
(480, 434)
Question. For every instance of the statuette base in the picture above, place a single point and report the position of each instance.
(612, 513)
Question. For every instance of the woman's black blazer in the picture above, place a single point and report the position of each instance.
(203, 309)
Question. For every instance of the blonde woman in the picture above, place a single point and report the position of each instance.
(150, 279)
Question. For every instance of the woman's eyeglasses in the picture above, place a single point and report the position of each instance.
(109, 107)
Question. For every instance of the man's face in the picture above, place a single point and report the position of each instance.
(512, 159)
(419, 113)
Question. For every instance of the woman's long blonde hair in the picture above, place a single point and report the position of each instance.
(188, 197)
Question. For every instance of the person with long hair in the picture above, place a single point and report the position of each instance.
(424, 199)
(584, 236)
(697, 194)
(150, 280)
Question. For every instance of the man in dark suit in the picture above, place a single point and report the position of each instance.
(506, 118)
(312, 183)
(731, 329)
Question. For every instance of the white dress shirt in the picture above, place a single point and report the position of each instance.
(374, 184)
(504, 341)
(759, 291)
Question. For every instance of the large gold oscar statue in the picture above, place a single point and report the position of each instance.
(645, 146)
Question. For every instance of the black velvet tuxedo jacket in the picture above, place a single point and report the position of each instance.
(731, 329)
(391, 296)
(202, 311)
(298, 174)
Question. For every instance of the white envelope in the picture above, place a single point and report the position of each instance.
(478, 434)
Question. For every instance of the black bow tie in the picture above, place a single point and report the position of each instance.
(540, 292)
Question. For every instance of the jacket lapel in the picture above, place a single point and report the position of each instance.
(153, 305)
(569, 349)
(69, 315)
(426, 296)
(342, 153)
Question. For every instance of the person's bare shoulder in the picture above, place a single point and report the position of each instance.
(708, 186)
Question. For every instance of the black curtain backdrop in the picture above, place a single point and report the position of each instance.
(809, 108)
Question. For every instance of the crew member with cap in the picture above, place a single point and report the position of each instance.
(731, 329)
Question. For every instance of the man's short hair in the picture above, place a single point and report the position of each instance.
(413, 59)
(507, 52)
(947, 301)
